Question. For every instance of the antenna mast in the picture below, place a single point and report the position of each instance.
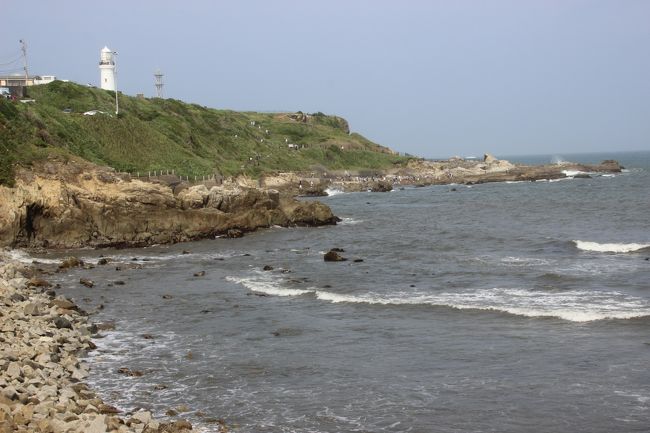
(23, 47)
(159, 83)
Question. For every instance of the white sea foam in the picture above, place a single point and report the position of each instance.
(524, 261)
(571, 173)
(23, 257)
(333, 191)
(268, 286)
(571, 305)
(350, 221)
(609, 248)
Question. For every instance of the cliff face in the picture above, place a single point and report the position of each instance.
(67, 205)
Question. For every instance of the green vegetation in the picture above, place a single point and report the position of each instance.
(166, 134)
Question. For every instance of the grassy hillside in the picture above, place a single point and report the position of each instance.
(166, 134)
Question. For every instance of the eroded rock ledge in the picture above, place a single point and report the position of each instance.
(62, 204)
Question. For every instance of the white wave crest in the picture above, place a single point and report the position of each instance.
(268, 286)
(571, 305)
(571, 173)
(609, 248)
(23, 257)
(333, 191)
(350, 221)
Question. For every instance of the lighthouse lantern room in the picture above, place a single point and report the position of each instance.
(107, 69)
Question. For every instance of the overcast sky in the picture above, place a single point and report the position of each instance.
(432, 78)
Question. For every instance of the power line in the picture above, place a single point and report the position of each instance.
(12, 54)
(11, 62)
(8, 71)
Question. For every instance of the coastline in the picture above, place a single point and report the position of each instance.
(44, 337)
(64, 412)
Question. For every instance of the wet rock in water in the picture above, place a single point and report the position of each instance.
(333, 256)
(62, 322)
(185, 252)
(70, 262)
(119, 283)
(381, 186)
(338, 250)
(167, 296)
(147, 336)
(234, 233)
(102, 261)
(171, 412)
(358, 260)
(267, 268)
(106, 326)
(199, 274)
(159, 387)
(128, 372)
(582, 176)
(182, 408)
(107, 409)
(86, 282)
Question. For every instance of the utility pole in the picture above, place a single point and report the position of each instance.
(117, 103)
(23, 47)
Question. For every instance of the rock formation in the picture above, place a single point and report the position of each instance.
(75, 204)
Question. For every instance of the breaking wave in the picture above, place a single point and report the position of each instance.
(609, 248)
(333, 191)
(23, 257)
(570, 305)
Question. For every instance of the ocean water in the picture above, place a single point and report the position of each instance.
(511, 307)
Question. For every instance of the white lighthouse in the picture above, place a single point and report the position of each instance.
(107, 69)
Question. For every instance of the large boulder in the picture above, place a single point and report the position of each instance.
(194, 197)
(381, 186)
(238, 199)
(489, 158)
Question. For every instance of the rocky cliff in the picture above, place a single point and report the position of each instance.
(68, 204)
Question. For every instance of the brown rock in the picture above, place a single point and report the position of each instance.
(333, 256)
(64, 303)
(70, 262)
(38, 282)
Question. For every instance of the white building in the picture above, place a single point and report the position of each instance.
(107, 69)
(43, 79)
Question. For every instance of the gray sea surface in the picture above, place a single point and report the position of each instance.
(509, 307)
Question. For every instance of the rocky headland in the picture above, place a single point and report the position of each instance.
(73, 203)
(420, 172)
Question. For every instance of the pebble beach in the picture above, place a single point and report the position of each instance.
(43, 338)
